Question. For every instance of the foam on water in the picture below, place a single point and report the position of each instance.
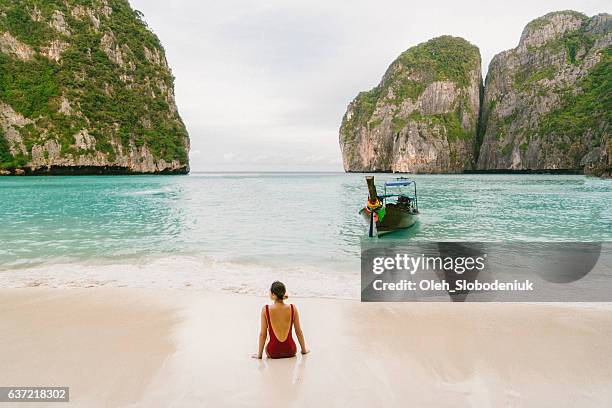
(187, 272)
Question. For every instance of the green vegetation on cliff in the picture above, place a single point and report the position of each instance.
(547, 104)
(5, 155)
(450, 121)
(543, 21)
(443, 58)
(125, 100)
(590, 109)
(557, 110)
(428, 97)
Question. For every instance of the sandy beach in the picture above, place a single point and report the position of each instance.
(172, 348)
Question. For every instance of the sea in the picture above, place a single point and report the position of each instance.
(238, 232)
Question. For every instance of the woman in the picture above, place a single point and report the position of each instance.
(278, 319)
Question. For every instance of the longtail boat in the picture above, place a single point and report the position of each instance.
(390, 211)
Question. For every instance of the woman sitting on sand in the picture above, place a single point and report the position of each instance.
(279, 319)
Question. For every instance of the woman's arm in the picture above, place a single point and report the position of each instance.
(298, 331)
(263, 334)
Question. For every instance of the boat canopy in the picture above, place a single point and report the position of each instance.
(399, 183)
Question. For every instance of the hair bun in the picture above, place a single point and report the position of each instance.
(278, 290)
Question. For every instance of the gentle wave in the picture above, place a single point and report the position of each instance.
(187, 272)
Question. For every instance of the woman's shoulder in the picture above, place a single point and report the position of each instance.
(286, 305)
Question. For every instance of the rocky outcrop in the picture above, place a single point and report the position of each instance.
(547, 102)
(10, 45)
(423, 115)
(85, 89)
(547, 105)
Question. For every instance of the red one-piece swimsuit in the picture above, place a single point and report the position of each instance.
(280, 349)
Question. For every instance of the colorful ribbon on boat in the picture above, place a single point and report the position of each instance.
(377, 207)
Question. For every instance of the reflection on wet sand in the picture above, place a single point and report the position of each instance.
(283, 376)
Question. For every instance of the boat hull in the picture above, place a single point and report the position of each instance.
(394, 219)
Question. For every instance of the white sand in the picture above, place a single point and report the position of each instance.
(162, 348)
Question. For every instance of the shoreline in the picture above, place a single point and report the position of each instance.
(87, 171)
(158, 347)
(183, 271)
(122, 171)
(189, 274)
(550, 172)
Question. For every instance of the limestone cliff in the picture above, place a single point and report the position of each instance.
(85, 88)
(548, 102)
(422, 116)
(547, 105)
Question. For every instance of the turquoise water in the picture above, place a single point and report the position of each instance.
(236, 231)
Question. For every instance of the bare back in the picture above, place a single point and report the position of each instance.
(280, 320)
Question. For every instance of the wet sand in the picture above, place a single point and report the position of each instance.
(158, 348)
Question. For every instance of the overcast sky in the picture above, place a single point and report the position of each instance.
(263, 84)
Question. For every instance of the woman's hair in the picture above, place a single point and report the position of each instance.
(278, 289)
